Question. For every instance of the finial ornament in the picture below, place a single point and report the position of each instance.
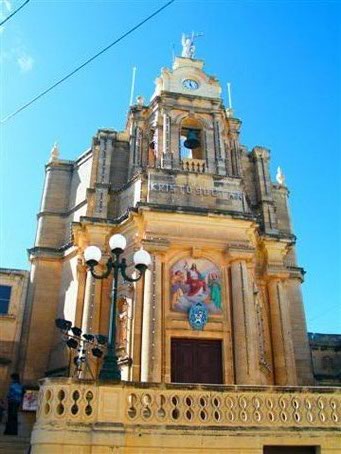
(188, 47)
(54, 156)
(280, 177)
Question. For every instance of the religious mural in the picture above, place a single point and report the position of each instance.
(195, 281)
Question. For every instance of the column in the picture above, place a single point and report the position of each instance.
(282, 346)
(88, 304)
(151, 349)
(146, 324)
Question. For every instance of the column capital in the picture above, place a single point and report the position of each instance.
(275, 273)
(240, 252)
(156, 245)
(275, 252)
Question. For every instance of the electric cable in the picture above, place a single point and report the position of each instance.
(14, 12)
(63, 79)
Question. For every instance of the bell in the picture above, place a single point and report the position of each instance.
(192, 140)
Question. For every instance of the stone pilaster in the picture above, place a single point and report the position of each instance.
(281, 334)
(244, 319)
(299, 333)
(218, 146)
(102, 183)
(167, 157)
(233, 125)
(261, 157)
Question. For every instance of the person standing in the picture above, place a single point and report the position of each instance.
(14, 398)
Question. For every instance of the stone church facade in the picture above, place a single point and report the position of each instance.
(179, 183)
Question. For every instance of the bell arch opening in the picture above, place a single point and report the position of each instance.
(191, 139)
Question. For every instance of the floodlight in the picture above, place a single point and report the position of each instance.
(62, 324)
(102, 340)
(97, 352)
(76, 331)
(72, 343)
(89, 337)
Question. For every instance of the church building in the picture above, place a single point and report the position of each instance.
(212, 342)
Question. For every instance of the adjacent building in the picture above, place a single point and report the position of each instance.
(13, 290)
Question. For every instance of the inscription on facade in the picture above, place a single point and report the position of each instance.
(196, 190)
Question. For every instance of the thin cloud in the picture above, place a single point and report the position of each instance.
(8, 5)
(25, 62)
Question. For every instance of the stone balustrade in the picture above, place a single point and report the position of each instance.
(68, 401)
(193, 165)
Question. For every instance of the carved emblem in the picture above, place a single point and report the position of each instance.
(198, 316)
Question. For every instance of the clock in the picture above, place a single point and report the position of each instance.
(190, 84)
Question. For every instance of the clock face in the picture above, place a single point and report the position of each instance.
(190, 84)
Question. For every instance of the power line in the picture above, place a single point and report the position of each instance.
(63, 79)
(323, 314)
(14, 12)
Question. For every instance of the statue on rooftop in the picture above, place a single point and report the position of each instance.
(280, 177)
(188, 47)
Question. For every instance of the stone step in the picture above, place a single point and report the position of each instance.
(14, 445)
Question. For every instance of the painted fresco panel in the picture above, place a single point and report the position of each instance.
(193, 281)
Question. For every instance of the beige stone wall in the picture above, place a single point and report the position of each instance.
(42, 299)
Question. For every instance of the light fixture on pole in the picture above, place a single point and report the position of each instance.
(115, 265)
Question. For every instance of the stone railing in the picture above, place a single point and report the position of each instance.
(66, 401)
(193, 165)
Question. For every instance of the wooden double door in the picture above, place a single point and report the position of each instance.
(196, 361)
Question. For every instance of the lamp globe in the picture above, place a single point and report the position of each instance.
(142, 259)
(92, 255)
(117, 243)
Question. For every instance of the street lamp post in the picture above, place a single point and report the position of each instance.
(115, 265)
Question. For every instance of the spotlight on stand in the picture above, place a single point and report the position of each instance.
(102, 340)
(72, 343)
(97, 352)
(82, 345)
(64, 325)
(76, 331)
(89, 337)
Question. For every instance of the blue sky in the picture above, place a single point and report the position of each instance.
(282, 59)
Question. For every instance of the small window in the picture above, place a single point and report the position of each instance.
(5, 296)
